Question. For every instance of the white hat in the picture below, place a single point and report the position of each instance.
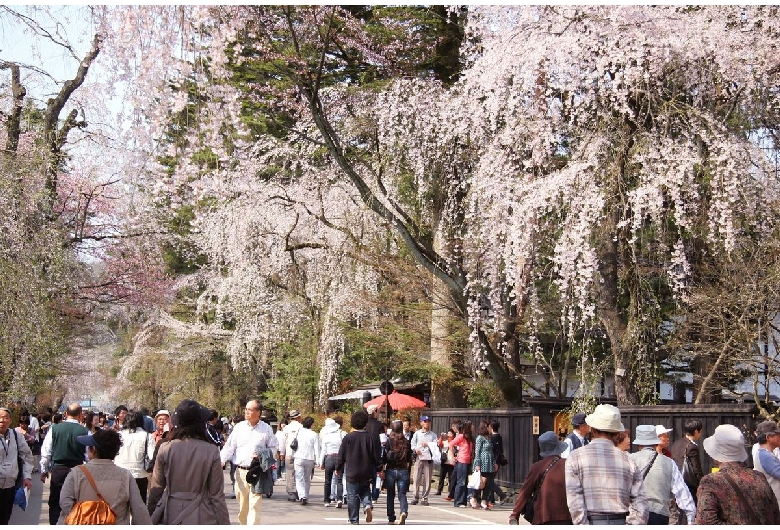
(372, 408)
(727, 444)
(161, 412)
(605, 418)
(660, 429)
(646, 435)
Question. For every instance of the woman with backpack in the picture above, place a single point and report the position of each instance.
(397, 460)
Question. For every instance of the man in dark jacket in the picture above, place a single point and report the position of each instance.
(361, 455)
(375, 427)
(688, 446)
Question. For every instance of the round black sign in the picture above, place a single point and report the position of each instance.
(386, 387)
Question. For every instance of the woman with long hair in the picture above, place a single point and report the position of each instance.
(115, 484)
(485, 463)
(187, 484)
(136, 444)
(464, 442)
(398, 460)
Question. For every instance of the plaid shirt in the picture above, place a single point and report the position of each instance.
(602, 479)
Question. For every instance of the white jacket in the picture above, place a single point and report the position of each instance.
(308, 445)
(131, 454)
(331, 436)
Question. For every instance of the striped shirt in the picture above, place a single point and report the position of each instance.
(602, 479)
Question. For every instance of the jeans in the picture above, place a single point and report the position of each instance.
(332, 480)
(357, 493)
(461, 473)
(393, 478)
(374, 489)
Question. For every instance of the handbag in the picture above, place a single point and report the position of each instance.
(294, 443)
(528, 510)
(689, 475)
(148, 462)
(475, 480)
(19, 462)
(501, 460)
(91, 512)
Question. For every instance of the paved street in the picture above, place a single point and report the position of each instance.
(278, 511)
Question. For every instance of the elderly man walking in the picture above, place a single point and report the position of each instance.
(246, 438)
(425, 446)
(765, 455)
(661, 477)
(290, 446)
(63, 452)
(578, 437)
(14, 448)
(603, 485)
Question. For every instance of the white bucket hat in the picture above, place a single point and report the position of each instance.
(605, 418)
(646, 435)
(660, 429)
(727, 444)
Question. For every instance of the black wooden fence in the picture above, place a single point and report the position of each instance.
(521, 427)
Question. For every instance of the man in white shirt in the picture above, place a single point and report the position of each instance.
(425, 446)
(290, 433)
(241, 447)
(661, 478)
(578, 437)
(281, 439)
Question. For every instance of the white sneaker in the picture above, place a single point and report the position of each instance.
(339, 504)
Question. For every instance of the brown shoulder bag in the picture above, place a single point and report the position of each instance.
(91, 512)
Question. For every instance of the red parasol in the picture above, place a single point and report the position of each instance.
(397, 401)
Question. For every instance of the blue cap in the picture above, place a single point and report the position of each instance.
(425, 418)
(87, 440)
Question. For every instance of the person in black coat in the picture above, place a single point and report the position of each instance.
(360, 457)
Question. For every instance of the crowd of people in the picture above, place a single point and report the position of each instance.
(168, 468)
(592, 478)
(161, 469)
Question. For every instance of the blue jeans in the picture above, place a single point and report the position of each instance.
(357, 493)
(393, 478)
(374, 489)
(334, 491)
(461, 473)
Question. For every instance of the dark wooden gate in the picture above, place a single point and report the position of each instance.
(521, 427)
